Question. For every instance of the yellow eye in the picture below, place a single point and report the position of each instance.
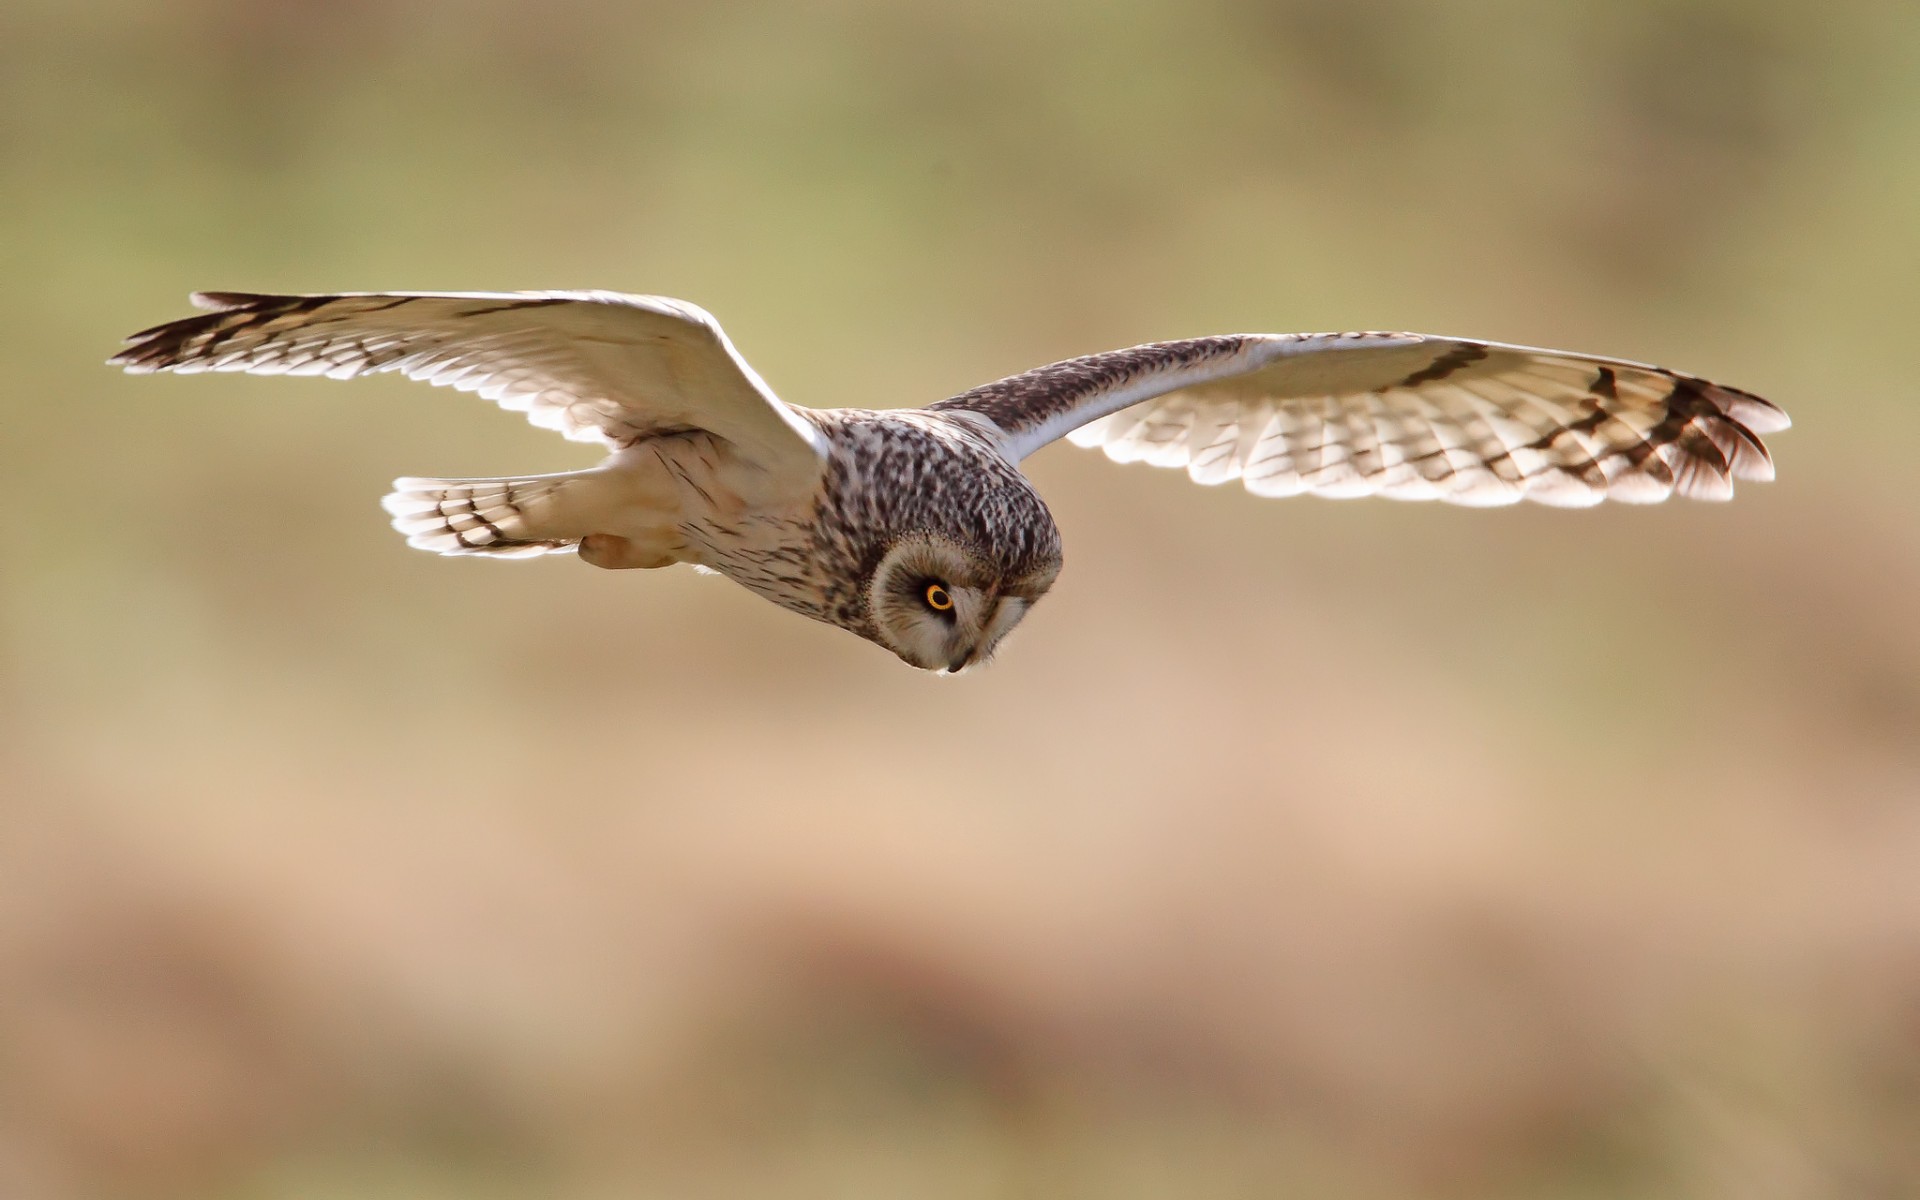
(937, 598)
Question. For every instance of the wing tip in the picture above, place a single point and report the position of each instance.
(225, 301)
(1757, 414)
(142, 353)
(156, 347)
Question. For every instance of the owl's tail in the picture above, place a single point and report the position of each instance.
(502, 518)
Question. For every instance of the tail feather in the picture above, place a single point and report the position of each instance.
(500, 518)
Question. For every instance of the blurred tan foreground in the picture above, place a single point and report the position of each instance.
(1292, 849)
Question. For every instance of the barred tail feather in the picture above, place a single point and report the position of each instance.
(501, 518)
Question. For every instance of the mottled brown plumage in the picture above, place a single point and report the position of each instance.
(916, 528)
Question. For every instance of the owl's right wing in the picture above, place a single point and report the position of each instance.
(595, 366)
(1403, 415)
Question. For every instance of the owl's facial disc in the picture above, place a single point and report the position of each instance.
(941, 608)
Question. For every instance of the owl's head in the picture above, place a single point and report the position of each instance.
(943, 606)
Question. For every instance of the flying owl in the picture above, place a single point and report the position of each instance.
(915, 528)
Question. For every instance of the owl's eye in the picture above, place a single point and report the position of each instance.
(938, 598)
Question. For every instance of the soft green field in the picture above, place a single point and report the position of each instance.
(1354, 851)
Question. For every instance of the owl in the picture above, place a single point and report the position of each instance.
(915, 528)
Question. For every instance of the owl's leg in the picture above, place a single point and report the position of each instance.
(617, 553)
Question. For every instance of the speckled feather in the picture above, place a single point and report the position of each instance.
(1399, 415)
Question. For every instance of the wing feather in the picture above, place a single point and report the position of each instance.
(1402, 415)
(592, 366)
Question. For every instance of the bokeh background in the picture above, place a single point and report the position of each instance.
(1348, 850)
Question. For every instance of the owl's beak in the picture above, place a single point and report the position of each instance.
(960, 664)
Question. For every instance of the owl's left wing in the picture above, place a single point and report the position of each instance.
(595, 366)
(1402, 415)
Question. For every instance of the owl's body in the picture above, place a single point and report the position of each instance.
(691, 498)
(915, 528)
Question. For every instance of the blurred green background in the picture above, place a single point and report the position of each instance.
(1348, 850)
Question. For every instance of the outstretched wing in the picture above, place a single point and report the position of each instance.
(1393, 414)
(596, 366)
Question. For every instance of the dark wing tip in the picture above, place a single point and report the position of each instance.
(166, 345)
(172, 343)
(1714, 431)
(156, 348)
